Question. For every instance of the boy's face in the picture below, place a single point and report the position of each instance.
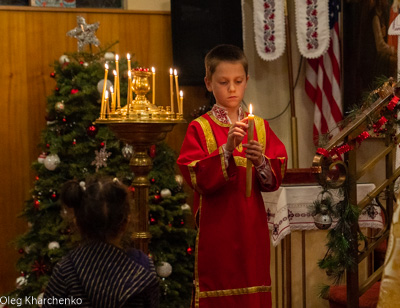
(228, 84)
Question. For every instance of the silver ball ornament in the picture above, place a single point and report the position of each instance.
(53, 245)
(51, 162)
(127, 151)
(186, 207)
(20, 282)
(179, 179)
(85, 64)
(59, 106)
(42, 157)
(165, 193)
(63, 59)
(109, 56)
(100, 85)
(164, 269)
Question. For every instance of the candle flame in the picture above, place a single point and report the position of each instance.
(106, 66)
(181, 93)
(128, 56)
(115, 72)
(170, 71)
(116, 57)
(175, 72)
(251, 109)
(153, 69)
(106, 95)
(111, 89)
(129, 74)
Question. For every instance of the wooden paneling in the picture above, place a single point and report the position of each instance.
(31, 40)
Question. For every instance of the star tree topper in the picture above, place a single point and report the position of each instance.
(84, 33)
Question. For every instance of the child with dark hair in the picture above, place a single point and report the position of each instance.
(232, 266)
(100, 273)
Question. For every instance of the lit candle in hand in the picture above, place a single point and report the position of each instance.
(153, 70)
(249, 166)
(176, 87)
(171, 89)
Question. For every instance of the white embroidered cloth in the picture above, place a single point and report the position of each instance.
(312, 27)
(288, 209)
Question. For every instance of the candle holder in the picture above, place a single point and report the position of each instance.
(141, 124)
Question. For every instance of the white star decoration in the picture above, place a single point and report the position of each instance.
(101, 158)
(84, 33)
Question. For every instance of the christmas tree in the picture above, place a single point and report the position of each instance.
(72, 146)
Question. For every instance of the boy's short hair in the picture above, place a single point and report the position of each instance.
(224, 53)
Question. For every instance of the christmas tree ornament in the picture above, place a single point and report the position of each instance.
(109, 56)
(41, 158)
(165, 193)
(36, 204)
(39, 268)
(152, 180)
(63, 60)
(157, 198)
(53, 75)
(127, 151)
(74, 91)
(20, 282)
(84, 33)
(164, 269)
(59, 106)
(185, 207)
(152, 220)
(92, 131)
(53, 196)
(51, 162)
(102, 144)
(57, 89)
(322, 221)
(53, 245)
(101, 157)
(179, 179)
(21, 251)
(100, 85)
(74, 142)
(182, 222)
(85, 64)
(189, 250)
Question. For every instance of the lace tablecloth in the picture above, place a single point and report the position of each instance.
(288, 209)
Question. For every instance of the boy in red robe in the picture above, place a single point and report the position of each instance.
(232, 266)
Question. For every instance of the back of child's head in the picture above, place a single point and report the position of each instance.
(101, 207)
(224, 53)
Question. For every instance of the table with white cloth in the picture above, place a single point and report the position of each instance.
(289, 208)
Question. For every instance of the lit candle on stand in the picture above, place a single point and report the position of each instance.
(177, 87)
(171, 89)
(129, 98)
(153, 70)
(181, 102)
(113, 103)
(107, 106)
(112, 98)
(105, 83)
(117, 92)
(128, 56)
(249, 166)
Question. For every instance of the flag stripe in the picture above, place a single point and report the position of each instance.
(322, 82)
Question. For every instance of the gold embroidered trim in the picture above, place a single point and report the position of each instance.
(240, 161)
(193, 174)
(223, 166)
(210, 139)
(213, 117)
(239, 291)
(283, 166)
(260, 128)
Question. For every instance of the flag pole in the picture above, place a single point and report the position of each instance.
(294, 139)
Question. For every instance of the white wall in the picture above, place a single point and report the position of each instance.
(148, 5)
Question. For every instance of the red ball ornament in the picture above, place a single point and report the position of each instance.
(157, 198)
(92, 131)
(74, 142)
(152, 181)
(102, 144)
(52, 75)
(21, 251)
(81, 62)
(47, 145)
(132, 189)
(182, 222)
(74, 91)
(189, 250)
(36, 203)
(64, 120)
(54, 196)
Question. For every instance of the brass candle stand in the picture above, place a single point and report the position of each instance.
(141, 124)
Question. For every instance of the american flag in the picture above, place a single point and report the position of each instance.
(323, 81)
